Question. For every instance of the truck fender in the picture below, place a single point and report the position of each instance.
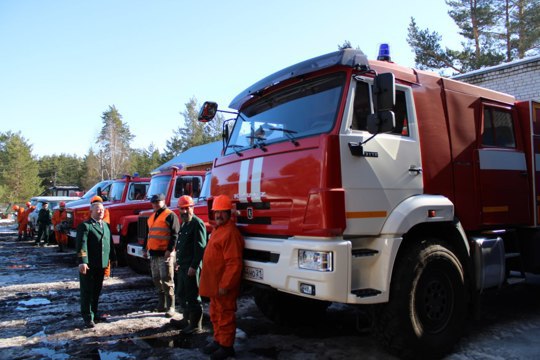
(125, 221)
(416, 210)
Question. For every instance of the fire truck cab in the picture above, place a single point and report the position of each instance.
(364, 182)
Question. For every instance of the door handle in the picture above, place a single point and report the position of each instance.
(414, 170)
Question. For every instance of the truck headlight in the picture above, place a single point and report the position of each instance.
(316, 260)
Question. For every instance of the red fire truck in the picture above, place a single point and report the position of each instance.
(174, 183)
(122, 197)
(364, 182)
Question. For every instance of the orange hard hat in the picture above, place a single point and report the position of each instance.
(28, 203)
(185, 201)
(15, 207)
(96, 199)
(221, 202)
(62, 204)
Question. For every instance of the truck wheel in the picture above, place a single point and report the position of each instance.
(428, 303)
(121, 252)
(286, 309)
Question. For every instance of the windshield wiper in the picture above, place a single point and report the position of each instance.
(259, 142)
(288, 133)
(235, 147)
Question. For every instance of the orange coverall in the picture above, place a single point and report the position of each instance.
(107, 219)
(222, 268)
(27, 212)
(20, 220)
(57, 218)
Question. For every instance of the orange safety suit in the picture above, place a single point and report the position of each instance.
(20, 220)
(107, 219)
(222, 269)
(159, 232)
(57, 218)
(27, 213)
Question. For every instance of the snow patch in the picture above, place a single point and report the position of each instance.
(35, 302)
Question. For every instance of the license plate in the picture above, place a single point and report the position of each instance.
(253, 273)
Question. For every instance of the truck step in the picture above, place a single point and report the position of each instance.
(512, 255)
(366, 292)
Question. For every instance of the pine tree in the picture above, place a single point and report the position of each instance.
(19, 171)
(494, 31)
(193, 133)
(143, 161)
(114, 143)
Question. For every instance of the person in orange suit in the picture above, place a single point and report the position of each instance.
(24, 224)
(28, 229)
(59, 219)
(220, 278)
(20, 215)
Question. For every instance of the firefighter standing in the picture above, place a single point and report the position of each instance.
(44, 222)
(163, 227)
(94, 249)
(189, 249)
(220, 278)
(59, 220)
(27, 211)
(20, 220)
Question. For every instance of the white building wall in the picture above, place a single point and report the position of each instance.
(520, 78)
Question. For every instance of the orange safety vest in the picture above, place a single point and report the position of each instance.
(159, 232)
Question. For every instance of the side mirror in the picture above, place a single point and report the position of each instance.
(384, 90)
(208, 111)
(381, 122)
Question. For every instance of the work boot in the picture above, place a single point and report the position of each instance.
(60, 248)
(169, 306)
(211, 348)
(195, 323)
(20, 237)
(223, 353)
(181, 324)
(160, 307)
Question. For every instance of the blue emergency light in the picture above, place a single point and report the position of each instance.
(384, 52)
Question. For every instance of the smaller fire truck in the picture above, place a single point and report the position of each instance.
(122, 197)
(174, 183)
(389, 188)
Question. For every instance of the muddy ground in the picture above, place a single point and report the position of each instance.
(39, 319)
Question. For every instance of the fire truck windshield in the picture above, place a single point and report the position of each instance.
(117, 189)
(158, 185)
(303, 109)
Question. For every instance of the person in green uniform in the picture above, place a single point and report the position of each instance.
(190, 247)
(94, 248)
(44, 222)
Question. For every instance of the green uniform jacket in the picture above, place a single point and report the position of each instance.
(94, 244)
(190, 244)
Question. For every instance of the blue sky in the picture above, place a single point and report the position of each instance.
(64, 62)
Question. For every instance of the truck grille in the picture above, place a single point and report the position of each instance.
(69, 221)
(142, 227)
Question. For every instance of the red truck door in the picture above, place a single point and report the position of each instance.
(503, 179)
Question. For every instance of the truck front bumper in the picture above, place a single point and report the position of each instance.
(135, 250)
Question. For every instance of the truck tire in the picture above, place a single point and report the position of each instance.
(121, 252)
(427, 308)
(286, 309)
